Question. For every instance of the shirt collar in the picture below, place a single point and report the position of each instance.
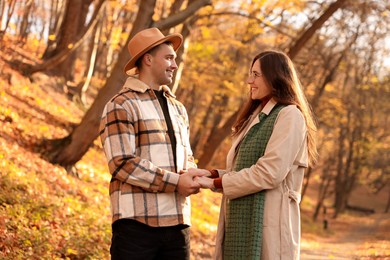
(268, 107)
(137, 85)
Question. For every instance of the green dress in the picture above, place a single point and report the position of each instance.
(244, 221)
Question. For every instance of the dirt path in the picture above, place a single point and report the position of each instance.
(351, 237)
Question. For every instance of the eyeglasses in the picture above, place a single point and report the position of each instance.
(255, 74)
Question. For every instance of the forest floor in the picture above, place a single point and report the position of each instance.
(46, 213)
(350, 237)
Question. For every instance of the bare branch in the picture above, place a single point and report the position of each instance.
(180, 17)
(246, 15)
(314, 27)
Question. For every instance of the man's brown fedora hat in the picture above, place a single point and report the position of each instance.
(145, 40)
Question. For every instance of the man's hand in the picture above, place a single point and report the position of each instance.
(204, 181)
(187, 185)
(204, 172)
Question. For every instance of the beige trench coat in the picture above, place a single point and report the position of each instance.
(280, 172)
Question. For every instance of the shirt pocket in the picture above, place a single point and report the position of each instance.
(182, 130)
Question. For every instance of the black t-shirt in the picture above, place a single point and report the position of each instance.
(164, 106)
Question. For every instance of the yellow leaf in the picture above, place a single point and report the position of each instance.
(72, 251)
(52, 37)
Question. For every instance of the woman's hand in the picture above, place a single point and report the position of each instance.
(204, 172)
(202, 178)
(205, 182)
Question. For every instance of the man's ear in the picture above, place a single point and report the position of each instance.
(147, 59)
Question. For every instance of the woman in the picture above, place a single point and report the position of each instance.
(273, 144)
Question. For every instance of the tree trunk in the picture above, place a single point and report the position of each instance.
(80, 90)
(332, 72)
(78, 142)
(10, 12)
(215, 139)
(180, 53)
(351, 168)
(323, 191)
(388, 203)
(339, 181)
(328, 78)
(63, 55)
(56, 16)
(69, 31)
(24, 24)
(307, 180)
(326, 178)
(196, 141)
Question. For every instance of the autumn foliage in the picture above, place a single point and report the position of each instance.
(60, 61)
(45, 213)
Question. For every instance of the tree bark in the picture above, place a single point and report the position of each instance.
(180, 17)
(339, 180)
(323, 191)
(62, 54)
(332, 72)
(196, 141)
(388, 203)
(24, 24)
(309, 171)
(10, 11)
(327, 177)
(215, 139)
(56, 16)
(80, 90)
(69, 31)
(185, 32)
(81, 138)
(78, 142)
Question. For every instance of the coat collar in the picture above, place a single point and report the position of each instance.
(252, 120)
(269, 106)
(265, 110)
(137, 85)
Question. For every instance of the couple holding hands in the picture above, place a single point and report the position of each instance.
(145, 135)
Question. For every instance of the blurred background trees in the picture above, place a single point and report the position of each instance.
(341, 50)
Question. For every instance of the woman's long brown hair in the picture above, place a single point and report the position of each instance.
(278, 70)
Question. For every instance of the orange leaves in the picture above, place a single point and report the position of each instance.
(204, 218)
(45, 212)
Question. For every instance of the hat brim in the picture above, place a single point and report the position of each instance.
(175, 38)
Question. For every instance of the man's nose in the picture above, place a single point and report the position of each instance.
(174, 64)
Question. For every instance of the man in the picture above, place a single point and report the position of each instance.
(144, 132)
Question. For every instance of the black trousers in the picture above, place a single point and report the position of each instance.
(132, 240)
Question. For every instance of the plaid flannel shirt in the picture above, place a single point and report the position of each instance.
(135, 139)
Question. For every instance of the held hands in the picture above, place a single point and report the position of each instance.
(202, 172)
(204, 181)
(187, 184)
(192, 180)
